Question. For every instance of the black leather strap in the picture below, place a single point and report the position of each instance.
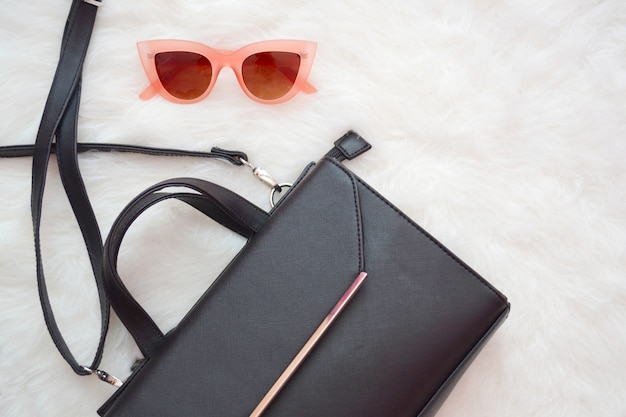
(63, 95)
(234, 157)
(217, 202)
(59, 121)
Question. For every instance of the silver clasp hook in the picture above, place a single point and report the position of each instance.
(266, 179)
(261, 174)
(105, 376)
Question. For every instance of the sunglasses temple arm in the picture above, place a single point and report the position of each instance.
(308, 88)
(148, 93)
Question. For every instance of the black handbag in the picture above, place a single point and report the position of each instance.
(397, 349)
(283, 330)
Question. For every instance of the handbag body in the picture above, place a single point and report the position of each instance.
(398, 348)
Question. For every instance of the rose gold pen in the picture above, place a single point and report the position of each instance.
(308, 346)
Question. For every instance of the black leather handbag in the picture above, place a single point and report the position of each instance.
(338, 305)
(396, 349)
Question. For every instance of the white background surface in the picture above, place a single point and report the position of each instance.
(499, 126)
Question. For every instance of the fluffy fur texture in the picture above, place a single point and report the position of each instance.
(499, 126)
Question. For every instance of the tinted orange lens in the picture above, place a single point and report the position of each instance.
(185, 75)
(270, 75)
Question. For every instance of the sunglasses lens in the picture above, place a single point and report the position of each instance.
(270, 75)
(185, 75)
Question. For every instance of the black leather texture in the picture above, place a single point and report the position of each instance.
(397, 349)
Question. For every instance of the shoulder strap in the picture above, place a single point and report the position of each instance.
(234, 157)
(58, 134)
(58, 120)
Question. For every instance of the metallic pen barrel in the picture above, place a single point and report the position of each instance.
(308, 346)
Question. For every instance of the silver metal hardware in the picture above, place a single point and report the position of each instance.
(274, 191)
(266, 179)
(105, 376)
(96, 3)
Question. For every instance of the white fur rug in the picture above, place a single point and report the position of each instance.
(499, 126)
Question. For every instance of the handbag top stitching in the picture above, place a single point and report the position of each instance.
(359, 219)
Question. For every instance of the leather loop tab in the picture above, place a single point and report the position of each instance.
(349, 146)
(234, 157)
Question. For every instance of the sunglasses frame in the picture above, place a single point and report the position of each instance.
(219, 59)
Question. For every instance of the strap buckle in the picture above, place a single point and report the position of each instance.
(96, 3)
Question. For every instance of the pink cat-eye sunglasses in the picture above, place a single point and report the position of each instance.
(269, 72)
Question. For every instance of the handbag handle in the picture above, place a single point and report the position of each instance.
(222, 205)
